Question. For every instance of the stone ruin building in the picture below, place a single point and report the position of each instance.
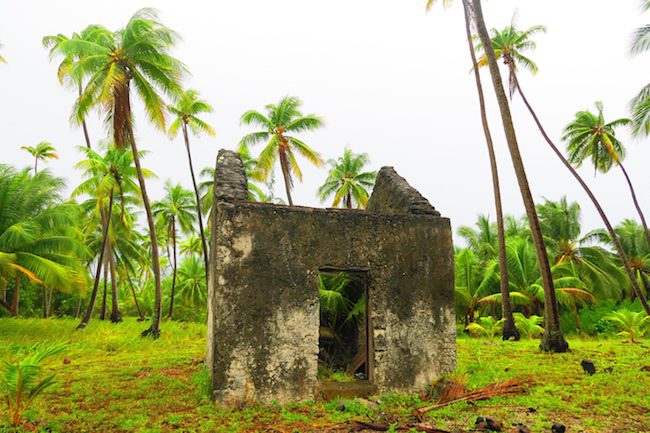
(265, 336)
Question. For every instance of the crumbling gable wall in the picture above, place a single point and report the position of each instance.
(263, 291)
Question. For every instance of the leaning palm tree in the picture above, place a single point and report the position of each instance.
(553, 339)
(137, 55)
(347, 181)
(511, 63)
(42, 151)
(509, 329)
(280, 120)
(589, 136)
(175, 213)
(187, 110)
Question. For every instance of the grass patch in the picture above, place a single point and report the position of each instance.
(117, 381)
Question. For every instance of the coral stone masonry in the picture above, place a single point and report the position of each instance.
(264, 320)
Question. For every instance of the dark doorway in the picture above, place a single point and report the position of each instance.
(343, 337)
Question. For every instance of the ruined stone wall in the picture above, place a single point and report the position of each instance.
(263, 317)
(265, 330)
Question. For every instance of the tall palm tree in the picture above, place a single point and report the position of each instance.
(553, 339)
(347, 181)
(42, 151)
(64, 70)
(510, 62)
(37, 239)
(589, 136)
(138, 55)
(509, 329)
(187, 110)
(175, 211)
(280, 120)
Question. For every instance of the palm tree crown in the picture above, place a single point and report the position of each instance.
(509, 44)
(281, 120)
(347, 181)
(589, 136)
(42, 151)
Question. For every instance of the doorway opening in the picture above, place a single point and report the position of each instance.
(343, 355)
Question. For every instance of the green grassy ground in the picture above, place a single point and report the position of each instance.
(117, 381)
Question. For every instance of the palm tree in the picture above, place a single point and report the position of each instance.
(510, 62)
(553, 339)
(192, 288)
(109, 178)
(137, 55)
(42, 151)
(37, 235)
(509, 45)
(173, 212)
(589, 136)
(186, 110)
(509, 329)
(347, 181)
(474, 281)
(64, 71)
(640, 104)
(280, 120)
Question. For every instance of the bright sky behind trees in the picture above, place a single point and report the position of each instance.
(388, 79)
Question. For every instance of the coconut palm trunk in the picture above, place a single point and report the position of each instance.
(553, 339)
(83, 122)
(98, 273)
(122, 135)
(135, 297)
(636, 202)
(116, 315)
(509, 328)
(15, 301)
(284, 165)
(204, 241)
(174, 269)
(610, 229)
(102, 315)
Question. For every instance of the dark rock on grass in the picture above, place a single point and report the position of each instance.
(588, 367)
(608, 370)
(488, 424)
(558, 428)
(521, 428)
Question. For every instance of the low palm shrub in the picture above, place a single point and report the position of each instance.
(630, 324)
(22, 381)
(529, 327)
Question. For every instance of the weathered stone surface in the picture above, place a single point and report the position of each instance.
(393, 195)
(230, 178)
(263, 319)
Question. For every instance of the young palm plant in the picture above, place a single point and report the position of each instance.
(281, 120)
(347, 181)
(509, 50)
(137, 55)
(187, 110)
(176, 214)
(629, 323)
(22, 381)
(41, 152)
(487, 326)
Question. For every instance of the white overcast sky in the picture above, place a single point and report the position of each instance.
(388, 79)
